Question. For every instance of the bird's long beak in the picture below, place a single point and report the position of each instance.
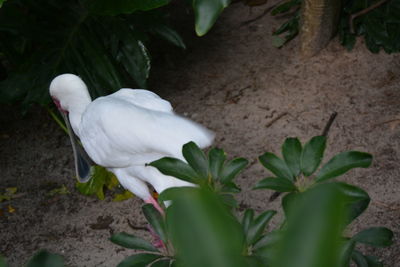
(84, 166)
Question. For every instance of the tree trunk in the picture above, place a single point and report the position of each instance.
(319, 21)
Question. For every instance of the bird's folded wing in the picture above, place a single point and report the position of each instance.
(117, 133)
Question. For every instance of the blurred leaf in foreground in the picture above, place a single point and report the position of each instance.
(202, 230)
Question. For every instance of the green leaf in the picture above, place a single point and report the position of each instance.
(176, 168)
(278, 41)
(130, 241)
(232, 168)
(375, 236)
(196, 159)
(45, 259)
(3, 262)
(216, 159)
(342, 163)
(285, 7)
(346, 250)
(289, 201)
(161, 263)
(230, 188)
(139, 260)
(206, 13)
(312, 154)
(228, 200)
(355, 200)
(258, 225)
(276, 165)
(277, 184)
(202, 230)
(156, 220)
(96, 184)
(169, 35)
(291, 151)
(124, 196)
(247, 220)
(268, 240)
(359, 259)
(104, 7)
(312, 230)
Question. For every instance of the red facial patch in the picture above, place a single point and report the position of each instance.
(58, 105)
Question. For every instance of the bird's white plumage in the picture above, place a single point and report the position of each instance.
(125, 130)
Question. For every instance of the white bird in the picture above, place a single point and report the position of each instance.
(124, 131)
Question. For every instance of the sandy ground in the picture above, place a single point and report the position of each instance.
(253, 96)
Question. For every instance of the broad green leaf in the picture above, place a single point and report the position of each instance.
(254, 261)
(203, 231)
(156, 220)
(96, 184)
(161, 263)
(228, 200)
(206, 13)
(232, 168)
(359, 259)
(247, 220)
(196, 159)
(134, 56)
(346, 250)
(130, 241)
(216, 159)
(104, 7)
(176, 168)
(176, 193)
(355, 200)
(343, 162)
(276, 166)
(45, 259)
(291, 152)
(268, 240)
(258, 225)
(375, 236)
(268, 246)
(169, 35)
(139, 260)
(312, 154)
(277, 184)
(289, 201)
(230, 188)
(312, 230)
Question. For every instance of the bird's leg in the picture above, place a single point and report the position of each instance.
(158, 243)
(154, 202)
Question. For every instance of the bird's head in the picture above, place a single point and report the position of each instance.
(67, 90)
(71, 97)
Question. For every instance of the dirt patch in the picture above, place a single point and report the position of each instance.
(253, 96)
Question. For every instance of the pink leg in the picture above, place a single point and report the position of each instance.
(157, 241)
(154, 202)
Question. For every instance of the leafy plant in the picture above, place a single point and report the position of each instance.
(212, 172)
(100, 181)
(40, 39)
(105, 43)
(377, 21)
(311, 234)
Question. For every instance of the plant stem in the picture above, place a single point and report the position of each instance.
(362, 12)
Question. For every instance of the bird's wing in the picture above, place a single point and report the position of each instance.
(117, 133)
(143, 98)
